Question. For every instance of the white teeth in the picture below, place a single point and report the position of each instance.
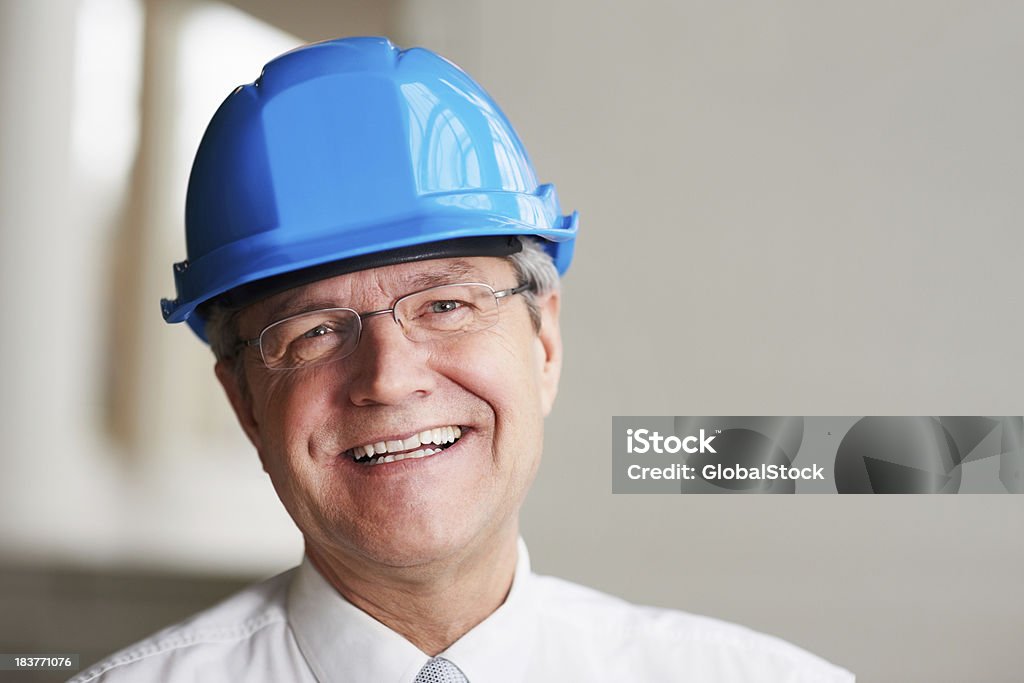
(422, 453)
(437, 435)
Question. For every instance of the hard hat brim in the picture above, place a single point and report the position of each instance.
(262, 256)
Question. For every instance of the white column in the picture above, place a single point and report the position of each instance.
(40, 258)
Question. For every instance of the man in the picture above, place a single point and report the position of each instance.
(376, 268)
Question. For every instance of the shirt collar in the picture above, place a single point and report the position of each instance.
(498, 648)
(341, 642)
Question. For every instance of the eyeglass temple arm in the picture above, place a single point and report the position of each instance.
(510, 292)
(241, 344)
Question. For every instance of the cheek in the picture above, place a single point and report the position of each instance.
(294, 412)
(502, 369)
(292, 409)
(497, 365)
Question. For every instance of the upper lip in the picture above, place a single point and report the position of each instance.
(429, 435)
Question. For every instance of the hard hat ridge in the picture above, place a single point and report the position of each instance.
(349, 148)
(360, 54)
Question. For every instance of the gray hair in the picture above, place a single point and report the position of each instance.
(532, 266)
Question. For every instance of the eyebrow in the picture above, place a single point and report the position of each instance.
(456, 270)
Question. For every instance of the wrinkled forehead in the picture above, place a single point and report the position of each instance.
(376, 288)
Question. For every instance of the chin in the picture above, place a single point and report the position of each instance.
(413, 552)
(407, 545)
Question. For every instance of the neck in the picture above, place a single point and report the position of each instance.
(431, 605)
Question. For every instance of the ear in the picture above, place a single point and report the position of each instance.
(550, 357)
(240, 399)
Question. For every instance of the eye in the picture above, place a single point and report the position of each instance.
(318, 331)
(310, 337)
(446, 306)
(442, 314)
(445, 310)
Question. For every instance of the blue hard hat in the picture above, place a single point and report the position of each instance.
(350, 148)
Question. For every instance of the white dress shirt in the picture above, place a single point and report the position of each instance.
(296, 628)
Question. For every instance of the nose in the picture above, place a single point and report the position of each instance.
(387, 368)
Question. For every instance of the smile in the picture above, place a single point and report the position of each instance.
(436, 440)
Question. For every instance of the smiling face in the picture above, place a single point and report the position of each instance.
(489, 391)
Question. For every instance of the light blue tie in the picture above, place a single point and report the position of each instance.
(440, 670)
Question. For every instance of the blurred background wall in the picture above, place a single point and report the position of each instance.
(788, 208)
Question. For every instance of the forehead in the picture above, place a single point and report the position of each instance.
(379, 287)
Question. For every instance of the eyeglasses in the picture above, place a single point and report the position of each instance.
(330, 334)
